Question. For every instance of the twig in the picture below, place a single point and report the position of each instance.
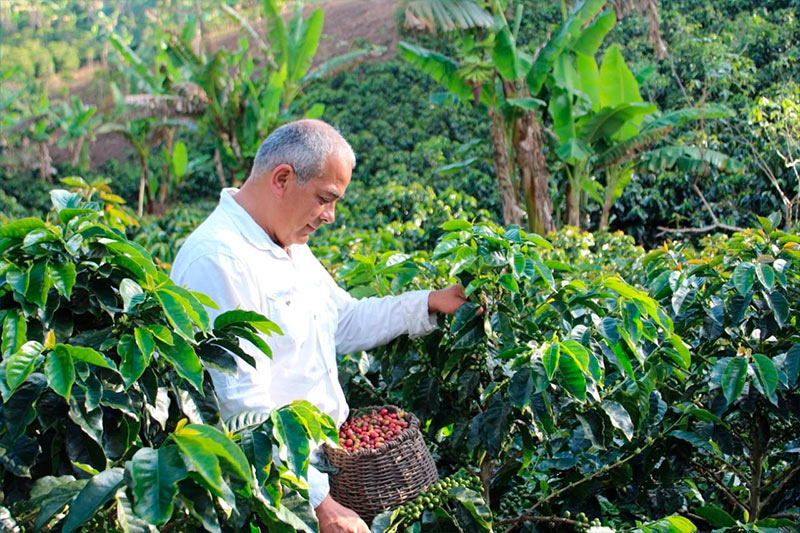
(786, 478)
(703, 229)
(718, 482)
(531, 518)
(732, 467)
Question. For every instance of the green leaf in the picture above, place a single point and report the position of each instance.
(698, 441)
(456, 225)
(550, 359)
(440, 67)
(505, 57)
(15, 330)
(574, 380)
(38, 283)
(463, 258)
(715, 516)
(577, 351)
(60, 372)
(520, 388)
(679, 524)
(97, 492)
(88, 355)
(258, 321)
(608, 122)
(183, 357)
(21, 363)
(791, 364)
(132, 294)
(63, 275)
(743, 277)
(733, 378)
(780, 307)
(589, 78)
(590, 39)
(133, 362)
(619, 85)
(682, 349)
(180, 159)
(767, 373)
(175, 309)
(155, 475)
(20, 228)
(619, 417)
(526, 104)
(766, 276)
(508, 281)
(293, 447)
(59, 492)
(214, 441)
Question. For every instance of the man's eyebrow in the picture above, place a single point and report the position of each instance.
(333, 194)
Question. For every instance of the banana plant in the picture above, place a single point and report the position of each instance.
(78, 122)
(603, 124)
(513, 96)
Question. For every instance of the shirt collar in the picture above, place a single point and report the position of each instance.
(250, 230)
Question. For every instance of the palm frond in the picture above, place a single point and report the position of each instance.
(657, 128)
(337, 64)
(438, 66)
(679, 117)
(689, 159)
(449, 15)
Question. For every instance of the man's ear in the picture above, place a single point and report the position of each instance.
(280, 178)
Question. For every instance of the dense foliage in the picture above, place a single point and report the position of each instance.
(106, 395)
(606, 379)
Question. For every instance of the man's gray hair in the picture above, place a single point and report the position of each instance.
(303, 144)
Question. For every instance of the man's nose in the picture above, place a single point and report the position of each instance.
(328, 214)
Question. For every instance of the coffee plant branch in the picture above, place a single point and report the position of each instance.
(702, 229)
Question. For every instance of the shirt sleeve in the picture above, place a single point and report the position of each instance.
(369, 322)
(318, 487)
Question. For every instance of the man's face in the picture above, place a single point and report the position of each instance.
(306, 207)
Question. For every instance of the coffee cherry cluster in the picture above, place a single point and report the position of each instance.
(372, 430)
(515, 501)
(583, 523)
(436, 495)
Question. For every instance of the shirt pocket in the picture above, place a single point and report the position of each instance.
(289, 312)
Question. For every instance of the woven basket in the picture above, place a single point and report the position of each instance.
(373, 480)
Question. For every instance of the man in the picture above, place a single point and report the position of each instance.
(251, 253)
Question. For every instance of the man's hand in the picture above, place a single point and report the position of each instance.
(446, 300)
(336, 518)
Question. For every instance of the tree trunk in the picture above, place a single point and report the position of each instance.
(142, 185)
(508, 197)
(77, 148)
(220, 171)
(200, 35)
(534, 176)
(574, 204)
(44, 163)
(758, 447)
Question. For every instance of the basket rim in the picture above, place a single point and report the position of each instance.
(407, 434)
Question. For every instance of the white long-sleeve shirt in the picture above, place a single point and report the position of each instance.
(232, 259)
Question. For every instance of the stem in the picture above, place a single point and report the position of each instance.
(533, 518)
(786, 477)
(756, 466)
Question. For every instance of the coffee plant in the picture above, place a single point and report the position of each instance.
(108, 412)
(454, 500)
(596, 378)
